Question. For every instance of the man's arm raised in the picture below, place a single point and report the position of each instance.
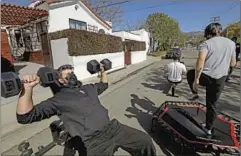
(26, 112)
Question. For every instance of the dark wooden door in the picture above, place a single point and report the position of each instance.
(127, 58)
(46, 51)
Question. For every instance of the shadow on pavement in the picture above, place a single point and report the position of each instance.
(144, 118)
(228, 102)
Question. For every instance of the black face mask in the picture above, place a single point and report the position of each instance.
(73, 82)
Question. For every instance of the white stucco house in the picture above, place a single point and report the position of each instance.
(137, 35)
(72, 14)
(76, 15)
(79, 15)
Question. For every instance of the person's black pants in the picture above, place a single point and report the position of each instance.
(214, 88)
(229, 73)
(173, 86)
(116, 135)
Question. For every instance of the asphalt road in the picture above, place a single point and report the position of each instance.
(133, 100)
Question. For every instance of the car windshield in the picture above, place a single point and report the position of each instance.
(174, 50)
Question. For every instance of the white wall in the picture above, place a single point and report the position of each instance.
(61, 56)
(59, 17)
(139, 35)
(138, 56)
(80, 63)
(125, 35)
(144, 36)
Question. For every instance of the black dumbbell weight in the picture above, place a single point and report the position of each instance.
(47, 76)
(11, 84)
(93, 66)
(107, 64)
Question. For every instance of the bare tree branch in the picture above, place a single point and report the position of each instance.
(112, 13)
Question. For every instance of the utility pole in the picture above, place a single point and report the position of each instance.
(215, 19)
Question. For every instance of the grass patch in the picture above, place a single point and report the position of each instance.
(158, 53)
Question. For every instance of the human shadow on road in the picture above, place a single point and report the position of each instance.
(144, 117)
(228, 101)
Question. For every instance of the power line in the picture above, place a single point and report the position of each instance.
(155, 6)
(230, 9)
(112, 4)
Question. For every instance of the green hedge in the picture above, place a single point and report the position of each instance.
(81, 42)
(132, 45)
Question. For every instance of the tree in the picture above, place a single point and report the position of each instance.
(164, 29)
(232, 30)
(110, 10)
(136, 24)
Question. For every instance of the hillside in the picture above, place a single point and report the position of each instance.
(194, 34)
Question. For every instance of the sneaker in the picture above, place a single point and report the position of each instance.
(209, 132)
(194, 97)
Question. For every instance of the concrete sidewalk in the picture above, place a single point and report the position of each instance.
(13, 133)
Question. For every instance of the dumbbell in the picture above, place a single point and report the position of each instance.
(23, 148)
(11, 84)
(93, 66)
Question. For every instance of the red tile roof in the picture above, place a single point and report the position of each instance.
(86, 5)
(19, 15)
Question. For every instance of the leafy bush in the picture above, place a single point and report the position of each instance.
(81, 42)
(132, 45)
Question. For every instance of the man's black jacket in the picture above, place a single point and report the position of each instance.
(82, 113)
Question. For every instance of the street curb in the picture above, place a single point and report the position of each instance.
(132, 73)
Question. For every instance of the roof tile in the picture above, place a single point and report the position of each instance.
(19, 15)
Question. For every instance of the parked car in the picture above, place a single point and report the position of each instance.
(174, 51)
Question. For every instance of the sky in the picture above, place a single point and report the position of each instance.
(192, 15)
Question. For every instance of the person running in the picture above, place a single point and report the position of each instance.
(216, 55)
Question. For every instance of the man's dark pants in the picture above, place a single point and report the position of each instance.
(214, 88)
(232, 68)
(171, 85)
(117, 135)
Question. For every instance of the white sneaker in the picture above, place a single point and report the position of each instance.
(209, 132)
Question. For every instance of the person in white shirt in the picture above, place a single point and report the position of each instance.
(174, 72)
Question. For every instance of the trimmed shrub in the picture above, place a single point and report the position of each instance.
(81, 42)
(131, 45)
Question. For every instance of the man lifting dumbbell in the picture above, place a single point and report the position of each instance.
(83, 116)
(11, 84)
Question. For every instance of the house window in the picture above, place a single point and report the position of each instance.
(18, 37)
(80, 25)
(27, 39)
(92, 28)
